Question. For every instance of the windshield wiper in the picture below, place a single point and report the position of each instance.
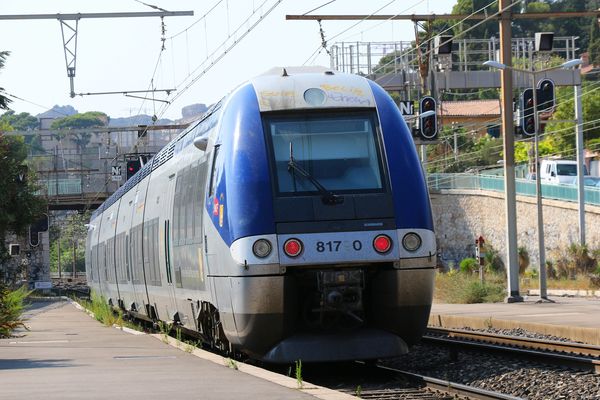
(328, 197)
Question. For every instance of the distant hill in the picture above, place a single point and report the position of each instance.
(188, 113)
(58, 112)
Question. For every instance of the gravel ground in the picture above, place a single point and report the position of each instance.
(521, 333)
(506, 375)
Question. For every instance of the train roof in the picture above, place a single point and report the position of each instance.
(285, 88)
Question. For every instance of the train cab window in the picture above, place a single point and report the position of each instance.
(213, 172)
(337, 151)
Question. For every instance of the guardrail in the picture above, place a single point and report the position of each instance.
(54, 187)
(524, 187)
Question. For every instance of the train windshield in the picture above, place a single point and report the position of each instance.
(334, 152)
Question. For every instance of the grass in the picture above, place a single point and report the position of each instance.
(580, 282)
(465, 288)
(102, 311)
(299, 374)
(11, 308)
(231, 363)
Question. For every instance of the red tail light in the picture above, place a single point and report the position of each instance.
(292, 247)
(382, 243)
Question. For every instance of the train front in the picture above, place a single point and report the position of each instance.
(329, 221)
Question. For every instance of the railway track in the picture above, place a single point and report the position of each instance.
(384, 382)
(574, 355)
(432, 388)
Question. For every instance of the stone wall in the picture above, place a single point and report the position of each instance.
(31, 265)
(461, 216)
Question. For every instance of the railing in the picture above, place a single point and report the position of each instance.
(53, 187)
(364, 58)
(524, 187)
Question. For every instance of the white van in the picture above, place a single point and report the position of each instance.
(560, 171)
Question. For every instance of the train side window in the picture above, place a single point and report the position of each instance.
(213, 173)
(176, 210)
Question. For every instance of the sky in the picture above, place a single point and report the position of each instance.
(124, 54)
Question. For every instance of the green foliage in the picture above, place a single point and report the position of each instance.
(19, 206)
(574, 260)
(467, 289)
(90, 119)
(20, 122)
(492, 261)
(468, 265)
(523, 259)
(11, 308)
(562, 134)
(102, 311)
(299, 374)
(4, 101)
(71, 233)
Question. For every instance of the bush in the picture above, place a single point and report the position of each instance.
(492, 261)
(523, 259)
(11, 307)
(468, 265)
(575, 259)
(466, 288)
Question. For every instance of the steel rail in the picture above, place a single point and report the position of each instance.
(576, 362)
(456, 389)
(530, 343)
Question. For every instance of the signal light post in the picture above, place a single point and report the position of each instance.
(428, 118)
(530, 109)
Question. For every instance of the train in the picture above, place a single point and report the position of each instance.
(292, 221)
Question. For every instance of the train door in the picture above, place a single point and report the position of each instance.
(167, 242)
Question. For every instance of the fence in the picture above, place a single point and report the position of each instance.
(524, 187)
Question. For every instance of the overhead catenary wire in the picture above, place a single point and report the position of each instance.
(199, 72)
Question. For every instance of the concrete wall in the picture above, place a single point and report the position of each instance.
(461, 216)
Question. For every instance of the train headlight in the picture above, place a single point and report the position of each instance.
(382, 243)
(411, 241)
(262, 248)
(292, 247)
(315, 97)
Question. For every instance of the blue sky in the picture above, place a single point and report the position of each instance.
(121, 54)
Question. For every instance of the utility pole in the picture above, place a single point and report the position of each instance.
(505, 17)
(455, 150)
(510, 203)
(580, 161)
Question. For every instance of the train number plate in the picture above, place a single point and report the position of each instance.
(336, 247)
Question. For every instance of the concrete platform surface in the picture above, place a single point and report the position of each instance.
(68, 355)
(574, 318)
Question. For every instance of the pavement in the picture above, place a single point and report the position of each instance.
(570, 317)
(66, 354)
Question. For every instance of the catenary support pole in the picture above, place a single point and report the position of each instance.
(509, 155)
(580, 164)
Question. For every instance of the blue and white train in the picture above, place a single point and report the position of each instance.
(291, 222)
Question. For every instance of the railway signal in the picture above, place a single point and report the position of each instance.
(528, 118)
(545, 95)
(428, 124)
(133, 166)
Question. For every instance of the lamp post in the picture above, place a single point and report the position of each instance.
(538, 185)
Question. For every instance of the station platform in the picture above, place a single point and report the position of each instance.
(68, 355)
(574, 318)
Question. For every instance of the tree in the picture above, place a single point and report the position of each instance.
(90, 119)
(20, 122)
(4, 101)
(562, 134)
(19, 205)
(72, 250)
